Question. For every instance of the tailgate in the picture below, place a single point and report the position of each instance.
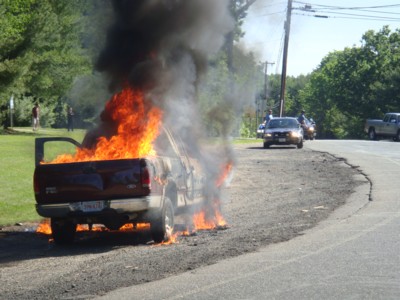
(85, 181)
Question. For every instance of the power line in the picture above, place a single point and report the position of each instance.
(360, 17)
(350, 7)
(270, 14)
(363, 12)
(327, 9)
(329, 14)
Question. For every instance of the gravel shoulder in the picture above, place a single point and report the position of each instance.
(274, 195)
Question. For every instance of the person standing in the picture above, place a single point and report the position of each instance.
(70, 118)
(268, 116)
(35, 116)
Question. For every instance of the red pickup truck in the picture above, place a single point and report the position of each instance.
(116, 192)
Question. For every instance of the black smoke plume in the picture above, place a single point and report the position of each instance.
(149, 38)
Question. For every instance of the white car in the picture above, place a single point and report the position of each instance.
(283, 131)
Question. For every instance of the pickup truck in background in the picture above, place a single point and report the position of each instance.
(116, 192)
(389, 127)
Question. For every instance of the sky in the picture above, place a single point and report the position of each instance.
(312, 38)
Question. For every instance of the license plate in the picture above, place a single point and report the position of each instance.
(92, 206)
(282, 140)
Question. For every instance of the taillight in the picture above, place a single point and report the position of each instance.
(145, 177)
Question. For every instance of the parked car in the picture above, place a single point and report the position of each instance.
(283, 131)
(260, 130)
(389, 127)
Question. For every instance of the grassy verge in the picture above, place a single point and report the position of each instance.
(17, 203)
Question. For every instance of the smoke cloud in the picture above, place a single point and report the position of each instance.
(150, 38)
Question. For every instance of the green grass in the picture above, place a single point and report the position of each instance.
(17, 202)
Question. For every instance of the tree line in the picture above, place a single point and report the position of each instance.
(47, 52)
(45, 46)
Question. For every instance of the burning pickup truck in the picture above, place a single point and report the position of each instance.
(116, 192)
(131, 177)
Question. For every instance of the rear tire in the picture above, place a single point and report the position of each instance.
(266, 145)
(63, 231)
(163, 225)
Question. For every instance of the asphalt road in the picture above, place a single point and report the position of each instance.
(354, 254)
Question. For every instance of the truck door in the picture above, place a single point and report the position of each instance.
(382, 130)
(392, 126)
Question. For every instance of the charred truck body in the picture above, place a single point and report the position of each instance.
(116, 192)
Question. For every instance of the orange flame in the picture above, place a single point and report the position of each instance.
(225, 171)
(138, 126)
(172, 237)
(203, 222)
(45, 228)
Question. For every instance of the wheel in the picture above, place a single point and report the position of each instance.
(63, 231)
(300, 145)
(163, 225)
(372, 134)
(266, 145)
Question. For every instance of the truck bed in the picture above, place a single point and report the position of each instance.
(88, 181)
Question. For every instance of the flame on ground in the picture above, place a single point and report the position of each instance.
(203, 222)
(45, 228)
(137, 127)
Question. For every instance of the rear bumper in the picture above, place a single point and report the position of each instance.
(119, 206)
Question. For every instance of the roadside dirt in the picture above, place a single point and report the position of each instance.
(274, 196)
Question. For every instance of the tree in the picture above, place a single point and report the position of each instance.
(42, 52)
(238, 10)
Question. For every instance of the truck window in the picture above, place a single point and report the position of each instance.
(386, 118)
(393, 119)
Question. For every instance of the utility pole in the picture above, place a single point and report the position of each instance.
(284, 59)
